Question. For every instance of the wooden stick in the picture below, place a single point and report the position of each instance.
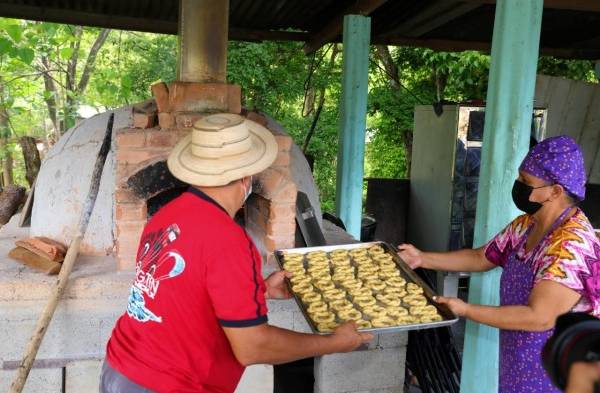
(59, 287)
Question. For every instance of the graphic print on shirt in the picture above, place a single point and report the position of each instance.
(153, 265)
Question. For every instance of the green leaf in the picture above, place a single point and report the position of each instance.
(5, 46)
(14, 31)
(26, 55)
(66, 53)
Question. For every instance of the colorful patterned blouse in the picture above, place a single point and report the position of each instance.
(569, 256)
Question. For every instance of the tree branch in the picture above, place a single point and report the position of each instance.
(72, 64)
(91, 60)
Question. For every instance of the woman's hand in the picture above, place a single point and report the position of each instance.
(276, 288)
(456, 305)
(411, 255)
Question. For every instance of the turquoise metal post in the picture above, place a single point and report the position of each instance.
(353, 116)
(515, 47)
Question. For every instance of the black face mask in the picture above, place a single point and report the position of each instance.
(521, 193)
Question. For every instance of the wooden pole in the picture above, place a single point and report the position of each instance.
(507, 129)
(353, 119)
(61, 283)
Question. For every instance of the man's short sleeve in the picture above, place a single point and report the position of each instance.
(235, 285)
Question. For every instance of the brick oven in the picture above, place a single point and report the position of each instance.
(143, 182)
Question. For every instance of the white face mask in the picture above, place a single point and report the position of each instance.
(248, 191)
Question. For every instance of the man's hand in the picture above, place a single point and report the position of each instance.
(411, 255)
(456, 305)
(347, 338)
(276, 288)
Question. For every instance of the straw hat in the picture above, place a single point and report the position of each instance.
(222, 148)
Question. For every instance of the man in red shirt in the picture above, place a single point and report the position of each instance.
(196, 314)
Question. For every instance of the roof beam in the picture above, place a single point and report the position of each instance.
(59, 15)
(431, 17)
(573, 5)
(459, 46)
(331, 31)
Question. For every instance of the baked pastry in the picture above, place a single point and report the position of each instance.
(388, 300)
(352, 284)
(414, 300)
(396, 312)
(324, 283)
(317, 307)
(302, 288)
(395, 291)
(362, 324)
(341, 305)
(383, 321)
(397, 282)
(413, 288)
(300, 279)
(364, 301)
(326, 327)
(323, 317)
(406, 320)
(293, 257)
(376, 250)
(311, 297)
(350, 315)
(430, 318)
(358, 292)
(334, 294)
(375, 311)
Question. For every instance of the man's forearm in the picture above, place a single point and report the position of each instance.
(467, 260)
(283, 346)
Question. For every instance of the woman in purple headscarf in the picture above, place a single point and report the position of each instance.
(550, 258)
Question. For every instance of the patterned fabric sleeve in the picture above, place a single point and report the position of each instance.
(572, 258)
(499, 248)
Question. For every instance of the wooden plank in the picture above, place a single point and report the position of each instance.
(590, 133)
(431, 17)
(333, 28)
(578, 101)
(594, 176)
(541, 91)
(558, 91)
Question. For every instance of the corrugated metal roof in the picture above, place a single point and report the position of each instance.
(440, 24)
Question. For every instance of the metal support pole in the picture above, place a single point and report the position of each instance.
(508, 116)
(202, 39)
(353, 117)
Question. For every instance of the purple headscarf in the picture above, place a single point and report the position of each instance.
(558, 160)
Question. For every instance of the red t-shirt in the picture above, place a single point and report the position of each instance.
(196, 272)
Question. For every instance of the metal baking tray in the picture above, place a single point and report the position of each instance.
(406, 272)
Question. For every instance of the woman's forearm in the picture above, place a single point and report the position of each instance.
(509, 317)
(467, 260)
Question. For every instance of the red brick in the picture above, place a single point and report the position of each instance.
(187, 119)
(131, 212)
(273, 242)
(166, 120)
(130, 228)
(283, 159)
(161, 139)
(123, 195)
(144, 120)
(160, 91)
(269, 182)
(130, 156)
(131, 139)
(281, 228)
(284, 142)
(282, 211)
(286, 193)
(204, 97)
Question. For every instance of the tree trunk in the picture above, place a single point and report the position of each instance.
(7, 164)
(50, 95)
(31, 155)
